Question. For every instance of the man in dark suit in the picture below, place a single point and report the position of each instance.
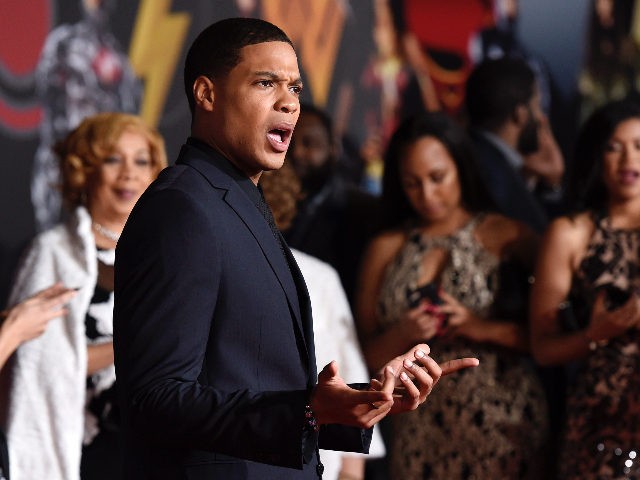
(213, 338)
(520, 162)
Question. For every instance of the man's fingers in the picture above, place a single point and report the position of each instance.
(329, 371)
(375, 384)
(375, 403)
(378, 406)
(421, 349)
(416, 389)
(458, 364)
(423, 378)
(389, 381)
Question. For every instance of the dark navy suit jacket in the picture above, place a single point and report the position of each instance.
(213, 337)
(506, 186)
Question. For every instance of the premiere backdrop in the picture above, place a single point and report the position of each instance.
(368, 62)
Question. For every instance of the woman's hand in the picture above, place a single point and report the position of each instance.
(460, 320)
(421, 323)
(29, 318)
(605, 324)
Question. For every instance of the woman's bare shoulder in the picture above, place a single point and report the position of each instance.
(388, 241)
(574, 228)
(496, 231)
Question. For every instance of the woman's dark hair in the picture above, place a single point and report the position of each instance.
(397, 208)
(586, 189)
(216, 50)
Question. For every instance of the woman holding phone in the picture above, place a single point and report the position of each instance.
(434, 275)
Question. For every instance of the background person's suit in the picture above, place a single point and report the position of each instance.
(506, 186)
(198, 261)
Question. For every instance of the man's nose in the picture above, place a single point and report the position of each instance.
(288, 103)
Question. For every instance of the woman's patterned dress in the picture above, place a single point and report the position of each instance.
(484, 423)
(602, 437)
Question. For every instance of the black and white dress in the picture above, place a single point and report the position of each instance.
(101, 456)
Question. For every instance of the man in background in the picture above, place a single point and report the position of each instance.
(521, 163)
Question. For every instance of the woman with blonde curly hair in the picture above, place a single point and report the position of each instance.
(62, 416)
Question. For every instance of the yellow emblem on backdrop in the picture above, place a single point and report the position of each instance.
(315, 27)
(158, 38)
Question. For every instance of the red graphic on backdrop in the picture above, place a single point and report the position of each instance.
(19, 53)
(107, 67)
(445, 30)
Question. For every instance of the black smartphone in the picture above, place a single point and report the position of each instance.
(428, 291)
(615, 297)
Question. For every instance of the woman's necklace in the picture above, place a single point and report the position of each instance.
(105, 232)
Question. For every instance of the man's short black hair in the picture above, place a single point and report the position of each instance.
(495, 88)
(216, 50)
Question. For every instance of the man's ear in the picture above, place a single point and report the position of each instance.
(203, 93)
(521, 115)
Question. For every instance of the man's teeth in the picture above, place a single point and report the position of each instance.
(278, 134)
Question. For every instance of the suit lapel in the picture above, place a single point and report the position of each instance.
(255, 222)
(305, 310)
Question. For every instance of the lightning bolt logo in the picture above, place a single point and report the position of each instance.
(315, 26)
(157, 41)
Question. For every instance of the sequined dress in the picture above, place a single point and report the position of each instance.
(602, 437)
(483, 423)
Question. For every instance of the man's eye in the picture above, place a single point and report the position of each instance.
(296, 89)
(265, 83)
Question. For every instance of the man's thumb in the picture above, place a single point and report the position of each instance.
(330, 370)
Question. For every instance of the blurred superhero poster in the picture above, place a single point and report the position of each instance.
(611, 69)
(368, 63)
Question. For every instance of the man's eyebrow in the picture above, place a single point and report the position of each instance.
(274, 76)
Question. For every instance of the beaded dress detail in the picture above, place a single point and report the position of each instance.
(487, 422)
(602, 437)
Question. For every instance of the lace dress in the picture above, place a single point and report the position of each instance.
(602, 437)
(483, 423)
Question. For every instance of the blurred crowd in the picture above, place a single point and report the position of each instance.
(482, 238)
